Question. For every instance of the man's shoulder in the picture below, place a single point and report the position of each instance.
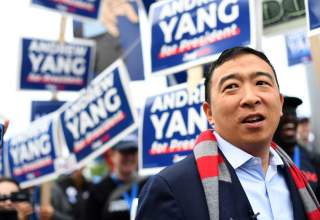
(181, 170)
(171, 193)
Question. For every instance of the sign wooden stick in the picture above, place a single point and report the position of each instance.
(194, 76)
(63, 23)
(315, 53)
(46, 194)
(46, 187)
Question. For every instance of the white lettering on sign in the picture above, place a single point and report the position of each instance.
(178, 99)
(96, 112)
(166, 125)
(174, 146)
(42, 63)
(51, 47)
(92, 93)
(31, 150)
(180, 6)
(177, 26)
(158, 123)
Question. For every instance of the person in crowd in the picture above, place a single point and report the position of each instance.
(305, 140)
(69, 195)
(235, 171)
(9, 208)
(111, 199)
(286, 137)
(12, 210)
(304, 134)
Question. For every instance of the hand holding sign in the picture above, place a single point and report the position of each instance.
(111, 9)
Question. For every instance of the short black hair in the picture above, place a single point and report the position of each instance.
(227, 55)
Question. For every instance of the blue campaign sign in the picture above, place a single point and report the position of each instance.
(51, 65)
(80, 8)
(190, 33)
(100, 117)
(42, 108)
(171, 121)
(2, 161)
(298, 50)
(2, 173)
(31, 154)
(147, 4)
(1, 144)
(313, 16)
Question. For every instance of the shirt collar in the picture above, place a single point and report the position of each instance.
(237, 157)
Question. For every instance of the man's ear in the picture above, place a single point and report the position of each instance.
(207, 110)
(282, 101)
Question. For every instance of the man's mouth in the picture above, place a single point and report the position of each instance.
(253, 118)
(289, 129)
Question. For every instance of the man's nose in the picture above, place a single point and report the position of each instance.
(8, 202)
(250, 96)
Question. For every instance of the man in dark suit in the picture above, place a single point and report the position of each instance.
(235, 171)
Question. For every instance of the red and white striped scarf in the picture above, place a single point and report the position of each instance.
(212, 168)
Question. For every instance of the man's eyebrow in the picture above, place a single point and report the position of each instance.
(264, 74)
(227, 77)
(236, 76)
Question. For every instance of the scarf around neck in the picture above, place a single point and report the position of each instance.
(211, 168)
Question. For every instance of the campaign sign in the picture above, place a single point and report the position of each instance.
(42, 108)
(189, 33)
(298, 49)
(101, 116)
(4, 167)
(1, 163)
(313, 16)
(80, 8)
(1, 144)
(46, 64)
(171, 121)
(32, 153)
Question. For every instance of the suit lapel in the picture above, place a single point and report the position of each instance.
(233, 202)
(297, 204)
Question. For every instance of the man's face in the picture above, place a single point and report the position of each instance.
(125, 161)
(303, 131)
(288, 130)
(246, 104)
(6, 188)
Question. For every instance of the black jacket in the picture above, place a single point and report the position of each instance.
(176, 193)
(106, 201)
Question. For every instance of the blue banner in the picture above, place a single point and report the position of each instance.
(1, 146)
(1, 164)
(171, 121)
(31, 154)
(80, 8)
(42, 108)
(189, 33)
(298, 50)
(313, 16)
(100, 117)
(52, 65)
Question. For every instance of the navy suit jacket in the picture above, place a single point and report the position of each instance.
(176, 193)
